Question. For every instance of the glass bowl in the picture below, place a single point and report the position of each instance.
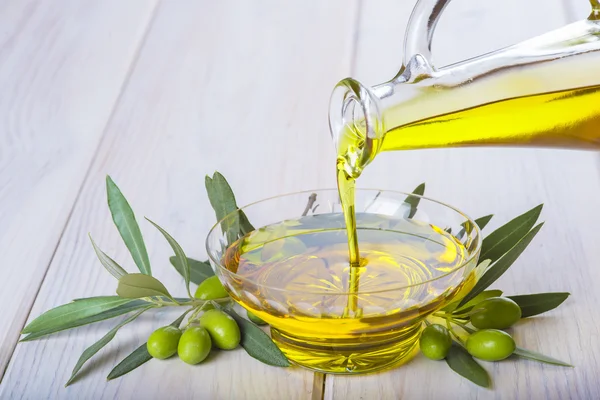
(291, 269)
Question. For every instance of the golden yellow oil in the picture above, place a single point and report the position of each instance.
(565, 119)
(297, 276)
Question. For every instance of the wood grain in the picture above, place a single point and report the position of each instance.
(241, 87)
(62, 67)
(564, 256)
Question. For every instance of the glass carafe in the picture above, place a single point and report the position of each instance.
(542, 92)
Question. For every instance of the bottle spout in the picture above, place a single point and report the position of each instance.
(356, 125)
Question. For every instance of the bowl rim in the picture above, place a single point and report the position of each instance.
(475, 253)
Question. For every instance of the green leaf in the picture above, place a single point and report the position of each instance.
(496, 270)
(128, 227)
(93, 349)
(199, 270)
(245, 225)
(258, 344)
(131, 305)
(534, 304)
(476, 300)
(463, 364)
(220, 195)
(71, 312)
(138, 357)
(497, 243)
(483, 221)
(111, 266)
(413, 201)
(222, 201)
(532, 355)
(468, 227)
(135, 286)
(180, 254)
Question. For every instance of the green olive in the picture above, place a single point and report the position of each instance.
(162, 343)
(210, 289)
(435, 342)
(255, 319)
(194, 345)
(223, 330)
(490, 345)
(495, 313)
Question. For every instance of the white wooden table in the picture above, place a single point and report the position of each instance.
(158, 93)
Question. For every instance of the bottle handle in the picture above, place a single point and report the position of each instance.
(420, 29)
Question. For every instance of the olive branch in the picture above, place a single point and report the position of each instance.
(140, 292)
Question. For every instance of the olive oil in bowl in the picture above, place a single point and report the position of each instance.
(330, 315)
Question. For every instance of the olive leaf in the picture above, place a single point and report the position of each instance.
(223, 202)
(534, 304)
(139, 356)
(497, 269)
(131, 305)
(258, 344)
(93, 349)
(474, 301)
(497, 243)
(180, 254)
(413, 201)
(463, 364)
(467, 227)
(111, 266)
(135, 286)
(199, 270)
(128, 227)
(71, 312)
(483, 221)
(245, 225)
(532, 355)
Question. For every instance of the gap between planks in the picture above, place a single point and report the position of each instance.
(318, 392)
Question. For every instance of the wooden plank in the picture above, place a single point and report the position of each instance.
(564, 256)
(62, 67)
(241, 87)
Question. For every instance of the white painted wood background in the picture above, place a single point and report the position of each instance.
(158, 93)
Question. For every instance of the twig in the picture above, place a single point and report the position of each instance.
(311, 200)
(373, 201)
(453, 333)
(463, 326)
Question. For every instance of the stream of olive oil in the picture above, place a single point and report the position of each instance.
(346, 187)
